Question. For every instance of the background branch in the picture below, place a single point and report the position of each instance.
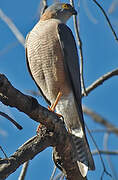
(13, 28)
(43, 6)
(108, 157)
(11, 120)
(76, 27)
(23, 171)
(109, 23)
(95, 152)
(101, 80)
(99, 119)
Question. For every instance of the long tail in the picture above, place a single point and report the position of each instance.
(83, 155)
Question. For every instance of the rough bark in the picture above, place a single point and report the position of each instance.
(53, 133)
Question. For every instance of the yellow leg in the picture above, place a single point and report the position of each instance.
(52, 108)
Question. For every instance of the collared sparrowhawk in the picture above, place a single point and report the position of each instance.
(52, 60)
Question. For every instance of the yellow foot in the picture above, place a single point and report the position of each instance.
(52, 108)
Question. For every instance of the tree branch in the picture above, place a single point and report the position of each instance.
(80, 50)
(55, 135)
(13, 28)
(109, 23)
(43, 6)
(11, 120)
(101, 80)
(99, 119)
(95, 152)
(23, 171)
(24, 153)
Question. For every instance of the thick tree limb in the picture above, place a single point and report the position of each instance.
(23, 154)
(55, 135)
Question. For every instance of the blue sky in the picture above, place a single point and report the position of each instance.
(100, 56)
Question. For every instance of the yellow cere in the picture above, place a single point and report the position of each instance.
(65, 6)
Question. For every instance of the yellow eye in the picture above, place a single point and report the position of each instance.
(65, 6)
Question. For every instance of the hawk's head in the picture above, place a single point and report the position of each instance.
(61, 11)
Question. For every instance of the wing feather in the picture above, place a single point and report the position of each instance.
(71, 63)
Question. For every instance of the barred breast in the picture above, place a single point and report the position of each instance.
(46, 59)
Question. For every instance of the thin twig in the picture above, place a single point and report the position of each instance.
(62, 177)
(104, 152)
(13, 27)
(23, 171)
(109, 23)
(43, 6)
(80, 50)
(58, 176)
(99, 119)
(111, 130)
(113, 7)
(11, 120)
(105, 144)
(101, 80)
(88, 12)
(104, 168)
(6, 49)
(53, 173)
(3, 152)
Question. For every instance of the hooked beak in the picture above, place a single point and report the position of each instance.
(73, 11)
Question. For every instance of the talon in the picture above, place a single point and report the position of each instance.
(50, 109)
(38, 128)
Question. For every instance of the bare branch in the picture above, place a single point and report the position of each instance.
(43, 6)
(103, 164)
(13, 28)
(105, 145)
(23, 171)
(101, 80)
(23, 154)
(53, 173)
(80, 50)
(3, 152)
(33, 93)
(56, 134)
(99, 119)
(109, 23)
(95, 152)
(11, 120)
(88, 12)
(110, 130)
(113, 7)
